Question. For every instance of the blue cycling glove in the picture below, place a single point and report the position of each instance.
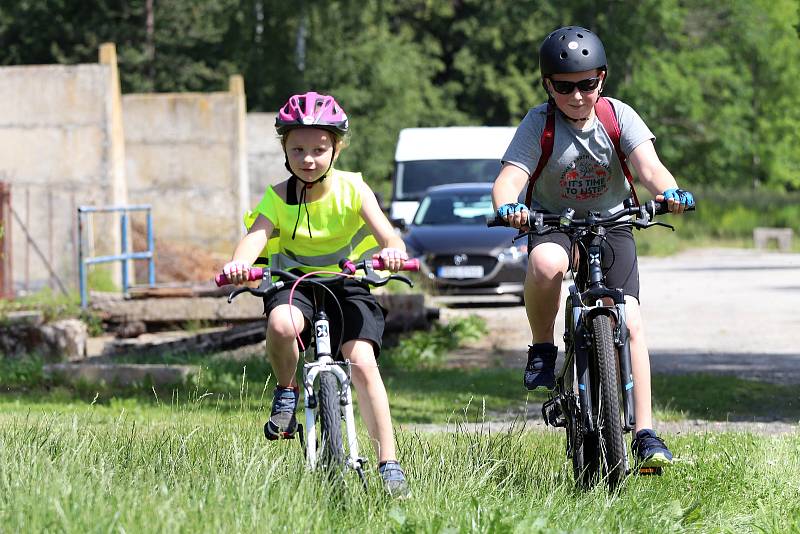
(507, 209)
(680, 196)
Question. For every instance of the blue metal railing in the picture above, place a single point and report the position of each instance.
(84, 262)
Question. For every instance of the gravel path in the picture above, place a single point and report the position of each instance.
(736, 314)
(730, 311)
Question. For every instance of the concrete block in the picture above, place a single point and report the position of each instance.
(762, 236)
(53, 95)
(124, 375)
(187, 118)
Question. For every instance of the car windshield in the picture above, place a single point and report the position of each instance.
(457, 208)
(413, 178)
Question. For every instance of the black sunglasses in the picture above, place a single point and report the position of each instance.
(567, 88)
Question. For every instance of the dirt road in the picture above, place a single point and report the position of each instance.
(711, 310)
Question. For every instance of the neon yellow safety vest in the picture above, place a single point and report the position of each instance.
(337, 229)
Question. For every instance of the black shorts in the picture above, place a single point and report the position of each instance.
(364, 318)
(619, 257)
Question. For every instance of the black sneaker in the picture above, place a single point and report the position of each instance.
(650, 450)
(394, 480)
(282, 423)
(540, 371)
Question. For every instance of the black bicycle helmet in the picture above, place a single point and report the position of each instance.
(571, 49)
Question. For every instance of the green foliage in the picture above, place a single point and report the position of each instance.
(428, 349)
(53, 305)
(22, 373)
(716, 82)
(101, 278)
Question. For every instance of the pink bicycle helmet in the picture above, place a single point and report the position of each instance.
(311, 110)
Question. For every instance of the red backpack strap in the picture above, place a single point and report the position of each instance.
(608, 118)
(546, 142)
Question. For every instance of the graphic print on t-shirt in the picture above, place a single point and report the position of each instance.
(583, 179)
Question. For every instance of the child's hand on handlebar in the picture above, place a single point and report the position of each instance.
(677, 199)
(236, 271)
(393, 258)
(514, 213)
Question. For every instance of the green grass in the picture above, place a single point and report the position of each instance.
(189, 467)
(419, 395)
(194, 459)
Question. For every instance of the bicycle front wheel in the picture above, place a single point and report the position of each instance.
(330, 422)
(611, 447)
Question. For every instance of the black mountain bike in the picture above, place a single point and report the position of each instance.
(326, 381)
(596, 377)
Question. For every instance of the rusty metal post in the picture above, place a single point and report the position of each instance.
(6, 265)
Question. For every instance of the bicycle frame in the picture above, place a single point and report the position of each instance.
(597, 344)
(324, 363)
(581, 307)
(324, 358)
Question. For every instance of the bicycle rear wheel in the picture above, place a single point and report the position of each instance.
(330, 422)
(606, 392)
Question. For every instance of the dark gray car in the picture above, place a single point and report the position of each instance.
(457, 252)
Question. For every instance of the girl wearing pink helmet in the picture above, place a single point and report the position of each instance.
(311, 220)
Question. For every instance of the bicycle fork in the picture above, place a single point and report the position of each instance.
(580, 317)
(325, 363)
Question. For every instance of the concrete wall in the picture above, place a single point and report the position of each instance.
(186, 155)
(58, 150)
(68, 138)
(265, 160)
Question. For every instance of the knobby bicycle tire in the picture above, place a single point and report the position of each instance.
(611, 446)
(330, 422)
(585, 455)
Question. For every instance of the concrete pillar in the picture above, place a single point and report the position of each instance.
(6, 272)
(118, 190)
(236, 88)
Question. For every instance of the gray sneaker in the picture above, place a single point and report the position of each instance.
(282, 423)
(394, 480)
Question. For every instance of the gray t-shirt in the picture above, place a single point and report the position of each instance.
(583, 172)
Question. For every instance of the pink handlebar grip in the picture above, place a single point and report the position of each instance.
(409, 265)
(255, 273)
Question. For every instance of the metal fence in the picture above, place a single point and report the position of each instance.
(124, 256)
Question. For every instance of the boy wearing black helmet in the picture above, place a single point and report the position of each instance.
(585, 172)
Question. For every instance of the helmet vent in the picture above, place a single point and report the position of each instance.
(579, 35)
(564, 55)
(585, 52)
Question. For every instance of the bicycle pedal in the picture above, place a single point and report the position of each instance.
(552, 414)
(649, 471)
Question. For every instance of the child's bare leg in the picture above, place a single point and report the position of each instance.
(372, 399)
(282, 348)
(547, 264)
(640, 365)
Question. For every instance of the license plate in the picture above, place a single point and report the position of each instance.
(461, 271)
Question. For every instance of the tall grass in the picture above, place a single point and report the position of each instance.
(188, 467)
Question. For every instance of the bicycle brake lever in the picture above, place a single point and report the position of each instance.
(665, 225)
(236, 292)
(401, 278)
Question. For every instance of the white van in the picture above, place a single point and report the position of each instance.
(426, 157)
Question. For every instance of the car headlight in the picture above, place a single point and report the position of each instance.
(513, 254)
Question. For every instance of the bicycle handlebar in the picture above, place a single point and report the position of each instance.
(646, 211)
(257, 273)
